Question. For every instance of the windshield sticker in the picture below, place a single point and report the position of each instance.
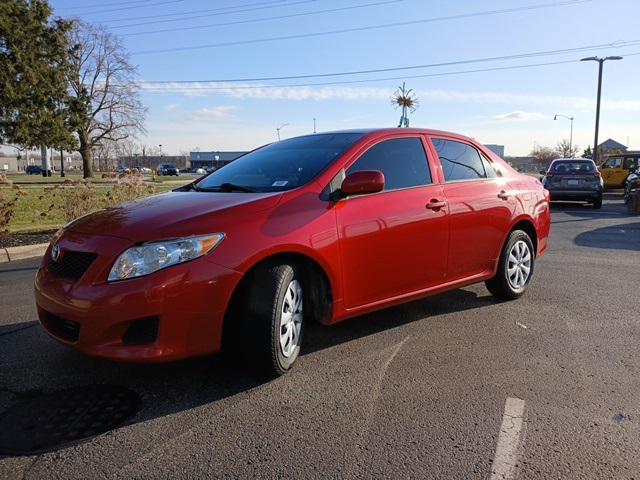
(279, 183)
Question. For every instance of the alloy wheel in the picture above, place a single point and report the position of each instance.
(291, 318)
(519, 265)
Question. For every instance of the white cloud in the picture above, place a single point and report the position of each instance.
(263, 92)
(214, 112)
(518, 116)
(325, 93)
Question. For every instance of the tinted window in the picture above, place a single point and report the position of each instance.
(401, 160)
(282, 165)
(488, 167)
(565, 166)
(459, 161)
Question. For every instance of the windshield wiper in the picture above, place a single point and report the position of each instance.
(229, 187)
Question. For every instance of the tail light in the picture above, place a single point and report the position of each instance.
(597, 173)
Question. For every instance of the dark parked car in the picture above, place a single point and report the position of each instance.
(575, 179)
(167, 169)
(33, 170)
(632, 183)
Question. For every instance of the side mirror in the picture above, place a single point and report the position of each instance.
(365, 181)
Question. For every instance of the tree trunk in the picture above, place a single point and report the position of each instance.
(44, 160)
(87, 160)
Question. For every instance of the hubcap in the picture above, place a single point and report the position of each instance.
(291, 318)
(519, 265)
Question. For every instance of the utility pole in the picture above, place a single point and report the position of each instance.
(314, 124)
(600, 63)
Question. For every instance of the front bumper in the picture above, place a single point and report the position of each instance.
(186, 302)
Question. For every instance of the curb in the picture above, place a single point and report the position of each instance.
(22, 252)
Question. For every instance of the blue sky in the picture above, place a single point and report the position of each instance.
(511, 107)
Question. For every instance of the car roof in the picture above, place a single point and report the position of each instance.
(572, 160)
(383, 131)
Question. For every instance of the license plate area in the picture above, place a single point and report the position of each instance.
(573, 182)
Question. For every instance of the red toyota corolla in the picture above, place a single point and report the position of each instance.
(316, 228)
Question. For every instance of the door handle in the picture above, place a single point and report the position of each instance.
(436, 204)
(504, 195)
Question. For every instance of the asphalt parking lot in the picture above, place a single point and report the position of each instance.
(416, 391)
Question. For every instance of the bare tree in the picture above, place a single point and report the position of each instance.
(103, 154)
(544, 155)
(105, 101)
(566, 149)
(126, 148)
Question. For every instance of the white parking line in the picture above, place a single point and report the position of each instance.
(509, 439)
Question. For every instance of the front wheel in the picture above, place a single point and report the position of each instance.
(273, 319)
(515, 267)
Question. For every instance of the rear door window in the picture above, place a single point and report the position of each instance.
(402, 161)
(459, 161)
(489, 168)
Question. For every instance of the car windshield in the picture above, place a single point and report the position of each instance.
(280, 166)
(572, 166)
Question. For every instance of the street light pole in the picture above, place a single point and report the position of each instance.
(600, 63)
(280, 128)
(555, 117)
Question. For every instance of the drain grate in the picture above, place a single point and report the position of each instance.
(59, 419)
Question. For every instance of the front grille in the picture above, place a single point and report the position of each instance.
(71, 265)
(64, 329)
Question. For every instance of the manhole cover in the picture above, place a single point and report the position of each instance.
(65, 417)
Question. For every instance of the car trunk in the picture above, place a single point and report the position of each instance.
(573, 181)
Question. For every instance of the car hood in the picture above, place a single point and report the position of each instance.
(174, 214)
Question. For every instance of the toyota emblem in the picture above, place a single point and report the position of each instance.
(55, 252)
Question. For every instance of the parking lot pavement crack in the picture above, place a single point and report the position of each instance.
(375, 395)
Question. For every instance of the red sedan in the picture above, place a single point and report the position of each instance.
(316, 228)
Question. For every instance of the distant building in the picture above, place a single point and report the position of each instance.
(523, 164)
(213, 159)
(611, 146)
(497, 149)
(152, 161)
(9, 164)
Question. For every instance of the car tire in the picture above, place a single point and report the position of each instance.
(512, 277)
(597, 203)
(272, 322)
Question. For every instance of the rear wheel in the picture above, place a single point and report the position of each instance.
(597, 203)
(515, 267)
(272, 321)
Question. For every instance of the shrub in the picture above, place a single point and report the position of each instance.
(10, 193)
(128, 187)
(73, 199)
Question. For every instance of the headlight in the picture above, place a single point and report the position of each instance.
(153, 256)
